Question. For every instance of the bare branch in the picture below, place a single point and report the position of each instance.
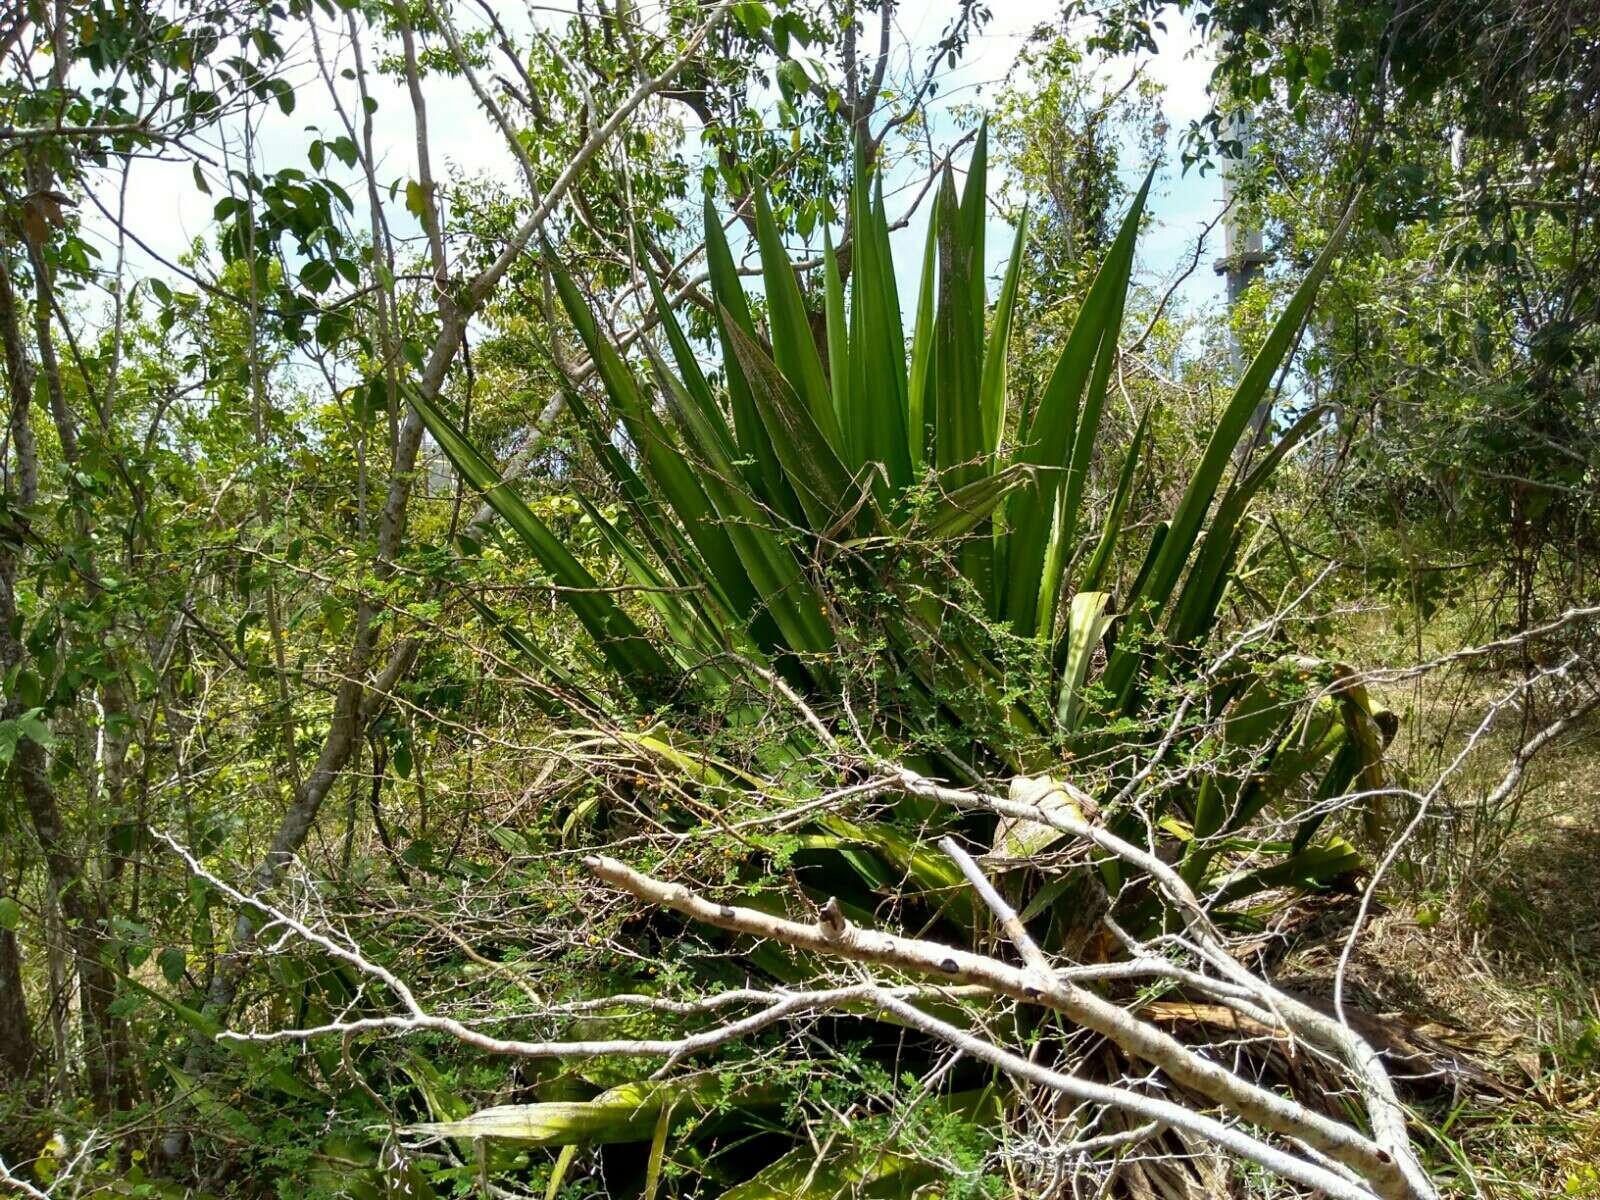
(841, 939)
(1004, 913)
(1387, 1116)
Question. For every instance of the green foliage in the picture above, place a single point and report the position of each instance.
(894, 523)
(948, 521)
(1460, 345)
(834, 456)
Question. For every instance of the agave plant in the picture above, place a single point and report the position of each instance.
(734, 494)
(756, 501)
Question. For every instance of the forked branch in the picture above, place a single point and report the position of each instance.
(1361, 1168)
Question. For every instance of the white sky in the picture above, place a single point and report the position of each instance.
(167, 211)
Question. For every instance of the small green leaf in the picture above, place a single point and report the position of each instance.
(172, 962)
(753, 16)
(10, 913)
(317, 276)
(333, 615)
(33, 726)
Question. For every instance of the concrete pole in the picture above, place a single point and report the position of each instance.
(1243, 254)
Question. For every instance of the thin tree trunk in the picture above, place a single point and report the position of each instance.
(81, 904)
(18, 1050)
